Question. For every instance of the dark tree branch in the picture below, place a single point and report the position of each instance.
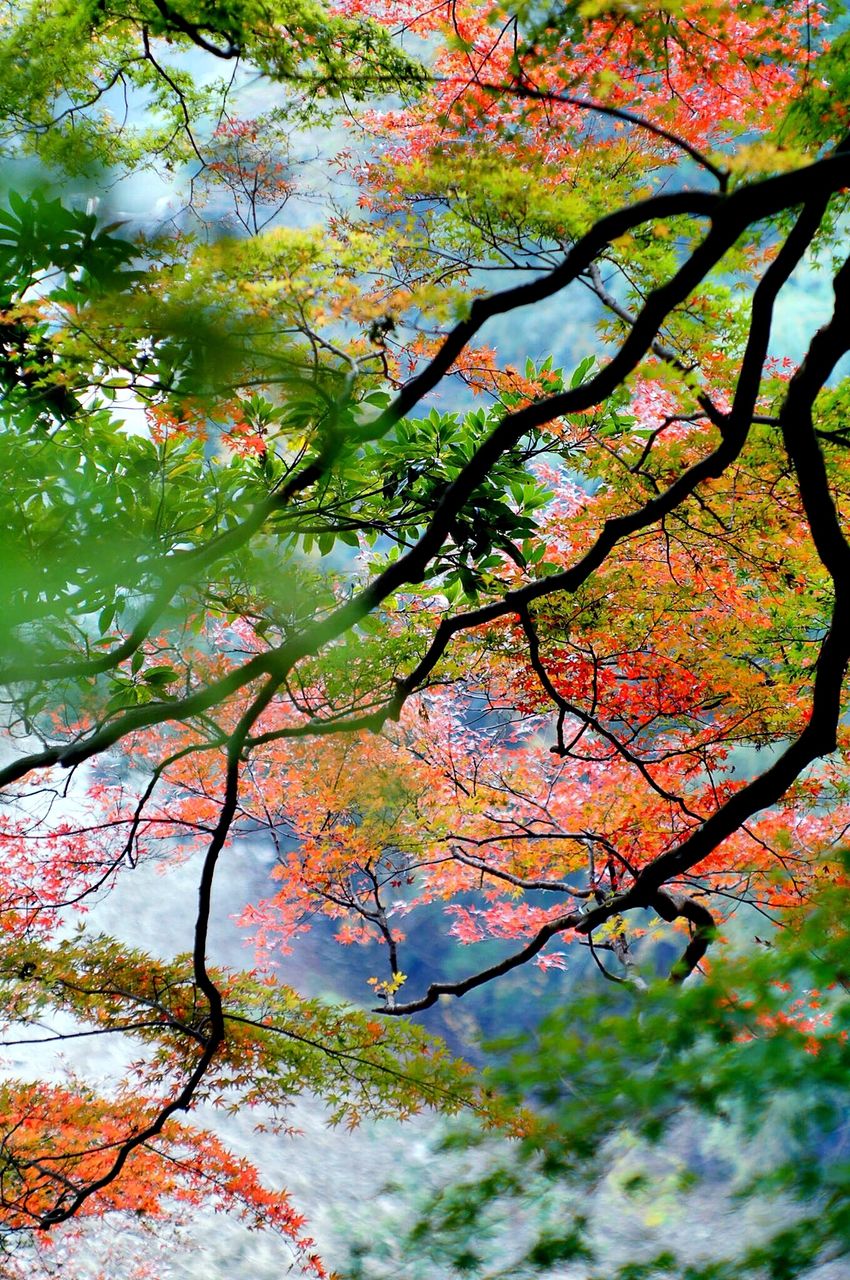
(70, 1202)
(730, 216)
(195, 32)
(549, 886)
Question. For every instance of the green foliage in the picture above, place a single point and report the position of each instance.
(103, 516)
(279, 552)
(48, 254)
(279, 1045)
(417, 463)
(64, 67)
(738, 1083)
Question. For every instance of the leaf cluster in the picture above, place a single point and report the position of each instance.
(752, 1058)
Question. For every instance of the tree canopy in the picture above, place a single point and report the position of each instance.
(541, 651)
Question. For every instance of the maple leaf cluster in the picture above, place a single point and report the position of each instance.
(514, 616)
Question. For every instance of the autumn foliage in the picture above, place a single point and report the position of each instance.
(480, 553)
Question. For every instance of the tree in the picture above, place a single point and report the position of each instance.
(570, 664)
(659, 1116)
